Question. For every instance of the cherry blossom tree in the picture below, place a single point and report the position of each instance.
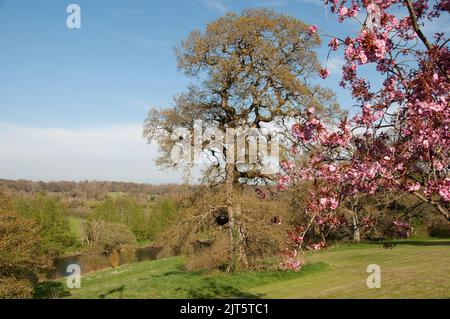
(399, 139)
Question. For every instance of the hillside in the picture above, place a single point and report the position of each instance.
(409, 270)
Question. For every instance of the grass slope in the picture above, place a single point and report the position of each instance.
(407, 271)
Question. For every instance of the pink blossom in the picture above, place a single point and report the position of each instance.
(380, 51)
(362, 57)
(324, 73)
(334, 204)
(323, 201)
(438, 166)
(287, 165)
(334, 44)
(312, 29)
(413, 187)
(445, 193)
(291, 264)
(342, 13)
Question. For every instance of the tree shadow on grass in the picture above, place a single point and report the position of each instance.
(50, 290)
(119, 290)
(170, 273)
(411, 242)
(212, 289)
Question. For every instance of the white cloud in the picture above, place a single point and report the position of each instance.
(105, 153)
(141, 41)
(271, 3)
(216, 5)
(335, 64)
(316, 2)
(441, 24)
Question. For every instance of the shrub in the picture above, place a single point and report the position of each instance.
(202, 227)
(440, 228)
(107, 236)
(15, 288)
(116, 240)
(211, 257)
(21, 261)
(124, 210)
(161, 217)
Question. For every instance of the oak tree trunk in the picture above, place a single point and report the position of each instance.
(238, 254)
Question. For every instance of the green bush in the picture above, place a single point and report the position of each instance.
(440, 229)
(21, 260)
(116, 240)
(161, 217)
(107, 236)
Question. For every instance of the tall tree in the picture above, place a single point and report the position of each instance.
(250, 71)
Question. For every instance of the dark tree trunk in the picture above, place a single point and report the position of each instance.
(238, 255)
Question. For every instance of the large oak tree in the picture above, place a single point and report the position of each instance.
(251, 70)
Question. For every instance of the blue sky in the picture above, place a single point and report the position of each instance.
(111, 70)
(72, 101)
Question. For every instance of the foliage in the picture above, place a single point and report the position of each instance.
(163, 214)
(50, 214)
(249, 70)
(106, 235)
(440, 228)
(202, 229)
(214, 256)
(81, 198)
(125, 210)
(87, 190)
(21, 260)
(398, 140)
(145, 222)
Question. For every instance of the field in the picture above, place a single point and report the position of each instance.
(409, 270)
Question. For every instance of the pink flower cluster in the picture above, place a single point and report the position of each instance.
(262, 193)
(334, 44)
(345, 12)
(328, 203)
(312, 29)
(290, 262)
(439, 187)
(283, 182)
(367, 47)
(324, 73)
(287, 165)
(402, 229)
(317, 246)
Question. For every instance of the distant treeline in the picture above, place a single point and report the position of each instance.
(87, 189)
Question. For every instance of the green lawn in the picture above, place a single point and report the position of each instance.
(407, 271)
(410, 270)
